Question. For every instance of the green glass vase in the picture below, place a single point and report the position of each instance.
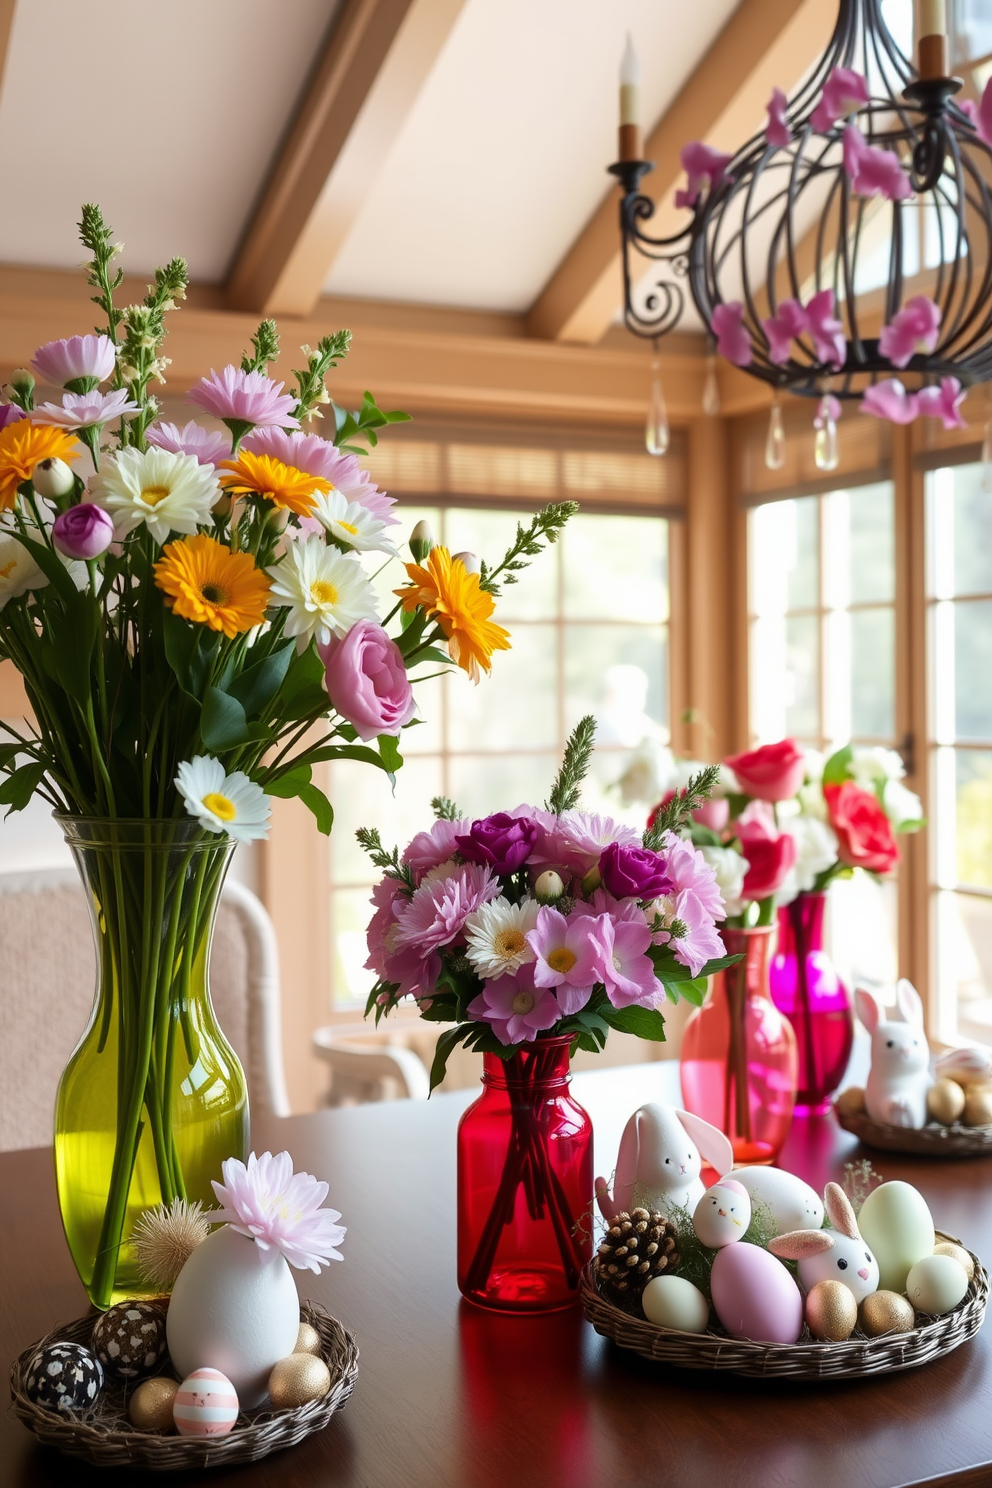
(154, 1098)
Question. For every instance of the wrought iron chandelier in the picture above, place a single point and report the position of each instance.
(872, 159)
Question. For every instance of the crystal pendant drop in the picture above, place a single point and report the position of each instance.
(775, 442)
(657, 434)
(987, 458)
(711, 389)
(826, 449)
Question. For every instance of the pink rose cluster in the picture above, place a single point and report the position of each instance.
(525, 918)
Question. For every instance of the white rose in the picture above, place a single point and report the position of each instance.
(876, 764)
(813, 763)
(816, 851)
(811, 801)
(900, 805)
(729, 868)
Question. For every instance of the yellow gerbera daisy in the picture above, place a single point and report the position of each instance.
(204, 581)
(22, 446)
(444, 587)
(264, 475)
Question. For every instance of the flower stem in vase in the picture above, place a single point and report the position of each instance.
(811, 1079)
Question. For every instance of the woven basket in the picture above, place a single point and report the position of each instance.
(106, 1437)
(808, 1359)
(932, 1140)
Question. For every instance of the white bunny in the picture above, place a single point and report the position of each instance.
(659, 1161)
(839, 1254)
(900, 1077)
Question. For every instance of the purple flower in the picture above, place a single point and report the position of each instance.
(439, 908)
(207, 446)
(81, 359)
(83, 531)
(430, 849)
(845, 92)
(915, 328)
(367, 681)
(943, 403)
(698, 941)
(704, 166)
(634, 872)
(826, 329)
(874, 171)
(781, 329)
(777, 131)
(244, 399)
(628, 971)
(10, 414)
(732, 340)
(502, 841)
(279, 1209)
(570, 955)
(890, 400)
(516, 1009)
(85, 410)
(575, 840)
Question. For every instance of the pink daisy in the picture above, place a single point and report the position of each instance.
(10, 414)
(432, 848)
(570, 955)
(690, 871)
(85, 410)
(279, 1209)
(244, 399)
(316, 456)
(436, 913)
(207, 446)
(89, 359)
(699, 941)
(628, 971)
(516, 1009)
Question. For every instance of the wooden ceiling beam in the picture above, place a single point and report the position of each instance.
(375, 61)
(765, 44)
(6, 26)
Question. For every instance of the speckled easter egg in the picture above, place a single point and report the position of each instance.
(129, 1339)
(64, 1377)
(754, 1296)
(206, 1404)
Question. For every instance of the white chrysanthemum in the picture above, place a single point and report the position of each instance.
(816, 851)
(324, 590)
(166, 491)
(730, 869)
(902, 806)
(873, 766)
(496, 936)
(351, 523)
(18, 570)
(223, 803)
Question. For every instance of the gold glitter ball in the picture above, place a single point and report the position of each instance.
(308, 1340)
(298, 1380)
(886, 1312)
(831, 1311)
(150, 1406)
(948, 1248)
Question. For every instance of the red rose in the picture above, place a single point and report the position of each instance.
(864, 832)
(772, 773)
(769, 856)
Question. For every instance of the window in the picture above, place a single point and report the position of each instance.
(959, 548)
(589, 623)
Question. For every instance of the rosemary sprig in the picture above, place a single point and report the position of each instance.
(389, 862)
(95, 235)
(265, 344)
(445, 809)
(310, 389)
(674, 816)
(546, 527)
(574, 767)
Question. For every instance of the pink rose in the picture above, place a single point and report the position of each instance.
(772, 773)
(769, 856)
(367, 681)
(84, 531)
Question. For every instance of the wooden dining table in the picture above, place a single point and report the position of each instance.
(451, 1396)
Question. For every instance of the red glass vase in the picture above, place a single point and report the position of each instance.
(739, 1053)
(805, 986)
(524, 1184)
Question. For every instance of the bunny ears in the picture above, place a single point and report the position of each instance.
(799, 1245)
(908, 1001)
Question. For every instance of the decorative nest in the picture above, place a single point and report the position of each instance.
(106, 1437)
(808, 1359)
(932, 1140)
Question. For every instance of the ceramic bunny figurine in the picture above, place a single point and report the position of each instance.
(900, 1077)
(659, 1161)
(839, 1254)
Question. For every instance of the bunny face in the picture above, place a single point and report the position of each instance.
(660, 1158)
(839, 1254)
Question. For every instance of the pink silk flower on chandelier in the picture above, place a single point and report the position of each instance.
(980, 114)
(915, 328)
(732, 340)
(704, 166)
(890, 400)
(777, 131)
(944, 402)
(782, 328)
(827, 331)
(844, 93)
(873, 170)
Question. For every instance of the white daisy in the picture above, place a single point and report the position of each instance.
(18, 570)
(325, 591)
(349, 522)
(223, 803)
(496, 936)
(166, 491)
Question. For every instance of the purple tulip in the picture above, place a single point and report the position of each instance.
(84, 531)
(634, 873)
(503, 842)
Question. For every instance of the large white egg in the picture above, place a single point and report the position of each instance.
(897, 1226)
(234, 1308)
(793, 1204)
(936, 1284)
(673, 1302)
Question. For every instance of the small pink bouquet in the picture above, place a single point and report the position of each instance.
(541, 922)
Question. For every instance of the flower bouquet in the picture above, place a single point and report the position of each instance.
(196, 629)
(532, 933)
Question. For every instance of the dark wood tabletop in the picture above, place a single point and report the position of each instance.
(449, 1396)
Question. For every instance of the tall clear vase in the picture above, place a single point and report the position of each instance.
(153, 1098)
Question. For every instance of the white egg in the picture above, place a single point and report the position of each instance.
(673, 1302)
(898, 1228)
(793, 1204)
(234, 1308)
(936, 1284)
(722, 1214)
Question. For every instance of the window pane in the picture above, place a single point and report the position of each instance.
(973, 670)
(362, 797)
(351, 910)
(785, 570)
(517, 705)
(974, 817)
(800, 681)
(618, 672)
(872, 674)
(862, 931)
(872, 543)
(972, 518)
(615, 568)
(489, 533)
(498, 782)
(965, 965)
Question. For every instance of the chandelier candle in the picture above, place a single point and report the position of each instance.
(631, 139)
(931, 38)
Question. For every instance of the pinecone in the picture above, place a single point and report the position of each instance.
(637, 1247)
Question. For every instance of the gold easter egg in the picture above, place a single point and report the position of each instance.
(298, 1380)
(978, 1106)
(150, 1405)
(831, 1311)
(851, 1102)
(886, 1312)
(957, 1253)
(307, 1340)
(945, 1101)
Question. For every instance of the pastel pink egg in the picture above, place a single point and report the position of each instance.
(206, 1404)
(754, 1296)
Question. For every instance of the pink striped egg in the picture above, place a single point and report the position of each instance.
(206, 1404)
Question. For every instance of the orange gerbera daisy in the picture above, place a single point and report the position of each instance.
(204, 581)
(264, 475)
(444, 587)
(24, 445)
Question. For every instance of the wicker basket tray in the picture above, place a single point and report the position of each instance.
(806, 1360)
(106, 1437)
(932, 1140)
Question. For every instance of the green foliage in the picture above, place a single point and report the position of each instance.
(445, 809)
(546, 527)
(97, 237)
(363, 425)
(574, 767)
(388, 862)
(678, 813)
(265, 346)
(838, 767)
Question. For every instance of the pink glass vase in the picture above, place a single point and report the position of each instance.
(524, 1184)
(739, 1053)
(806, 988)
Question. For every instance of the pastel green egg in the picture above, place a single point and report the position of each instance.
(673, 1302)
(936, 1284)
(898, 1228)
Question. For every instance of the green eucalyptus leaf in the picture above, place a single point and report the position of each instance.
(17, 790)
